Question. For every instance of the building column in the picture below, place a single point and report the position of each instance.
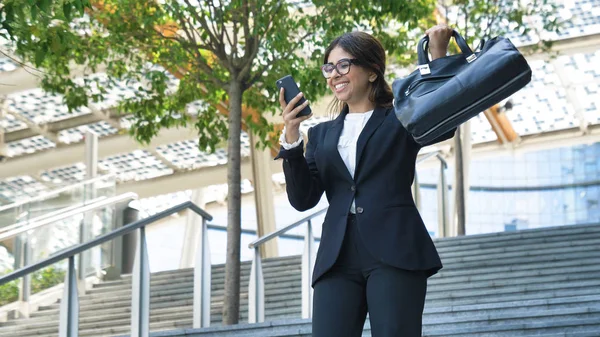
(3, 153)
(193, 228)
(263, 197)
(462, 157)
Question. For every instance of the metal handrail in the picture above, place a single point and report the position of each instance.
(437, 154)
(69, 315)
(44, 196)
(99, 203)
(260, 241)
(102, 239)
(427, 156)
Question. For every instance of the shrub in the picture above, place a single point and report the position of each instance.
(40, 280)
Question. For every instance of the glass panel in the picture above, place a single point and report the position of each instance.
(56, 236)
(57, 201)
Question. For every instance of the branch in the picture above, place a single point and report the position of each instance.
(272, 17)
(254, 11)
(224, 36)
(491, 20)
(213, 40)
(213, 80)
(253, 42)
(188, 29)
(258, 74)
(210, 72)
(192, 50)
(184, 43)
(246, 26)
(234, 46)
(212, 10)
(221, 32)
(466, 36)
(251, 49)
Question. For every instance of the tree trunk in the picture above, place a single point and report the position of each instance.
(459, 183)
(231, 304)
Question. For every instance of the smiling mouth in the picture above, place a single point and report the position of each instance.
(340, 86)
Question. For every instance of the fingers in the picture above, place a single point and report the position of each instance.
(282, 98)
(288, 107)
(292, 114)
(295, 122)
(438, 29)
(303, 118)
(290, 111)
(296, 99)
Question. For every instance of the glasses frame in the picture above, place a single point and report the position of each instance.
(328, 74)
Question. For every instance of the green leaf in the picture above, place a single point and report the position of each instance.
(45, 6)
(55, 44)
(67, 7)
(40, 55)
(34, 12)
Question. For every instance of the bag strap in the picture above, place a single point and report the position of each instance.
(423, 48)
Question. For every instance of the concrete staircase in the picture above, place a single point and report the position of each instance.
(541, 282)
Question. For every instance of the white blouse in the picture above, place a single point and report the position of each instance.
(353, 126)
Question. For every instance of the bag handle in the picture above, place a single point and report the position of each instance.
(423, 48)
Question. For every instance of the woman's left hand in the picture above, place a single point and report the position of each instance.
(439, 37)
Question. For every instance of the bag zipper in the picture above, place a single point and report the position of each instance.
(459, 114)
(415, 84)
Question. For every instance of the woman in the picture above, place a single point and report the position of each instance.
(375, 254)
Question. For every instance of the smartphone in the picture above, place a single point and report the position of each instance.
(291, 90)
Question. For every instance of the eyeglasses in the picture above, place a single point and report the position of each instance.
(342, 67)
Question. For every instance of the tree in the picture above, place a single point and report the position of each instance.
(226, 54)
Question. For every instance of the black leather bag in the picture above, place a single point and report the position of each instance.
(446, 92)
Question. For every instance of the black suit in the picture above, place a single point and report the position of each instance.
(387, 221)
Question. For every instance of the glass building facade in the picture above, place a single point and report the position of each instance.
(553, 187)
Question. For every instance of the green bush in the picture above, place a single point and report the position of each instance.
(40, 280)
(9, 292)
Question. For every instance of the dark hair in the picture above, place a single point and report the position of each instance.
(370, 54)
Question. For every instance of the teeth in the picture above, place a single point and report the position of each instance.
(341, 85)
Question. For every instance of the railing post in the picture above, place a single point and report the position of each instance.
(69, 306)
(140, 289)
(443, 207)
(307, 268)
(24, 247)
(202, 280)
(89, 192)
(256, 290)
(416, 191)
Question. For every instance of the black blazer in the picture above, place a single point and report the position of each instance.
(388, 220)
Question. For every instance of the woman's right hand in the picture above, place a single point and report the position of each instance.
(292, 123)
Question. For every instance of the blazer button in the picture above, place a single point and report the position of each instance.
(359, 210)
(352, 188)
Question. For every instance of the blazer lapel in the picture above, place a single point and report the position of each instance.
(330, 145)
(372, 125)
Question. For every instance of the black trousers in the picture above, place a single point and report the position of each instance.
(357, 284)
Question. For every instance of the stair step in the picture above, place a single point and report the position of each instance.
(538, 282)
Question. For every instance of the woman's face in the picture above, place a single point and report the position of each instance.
(352, 87)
